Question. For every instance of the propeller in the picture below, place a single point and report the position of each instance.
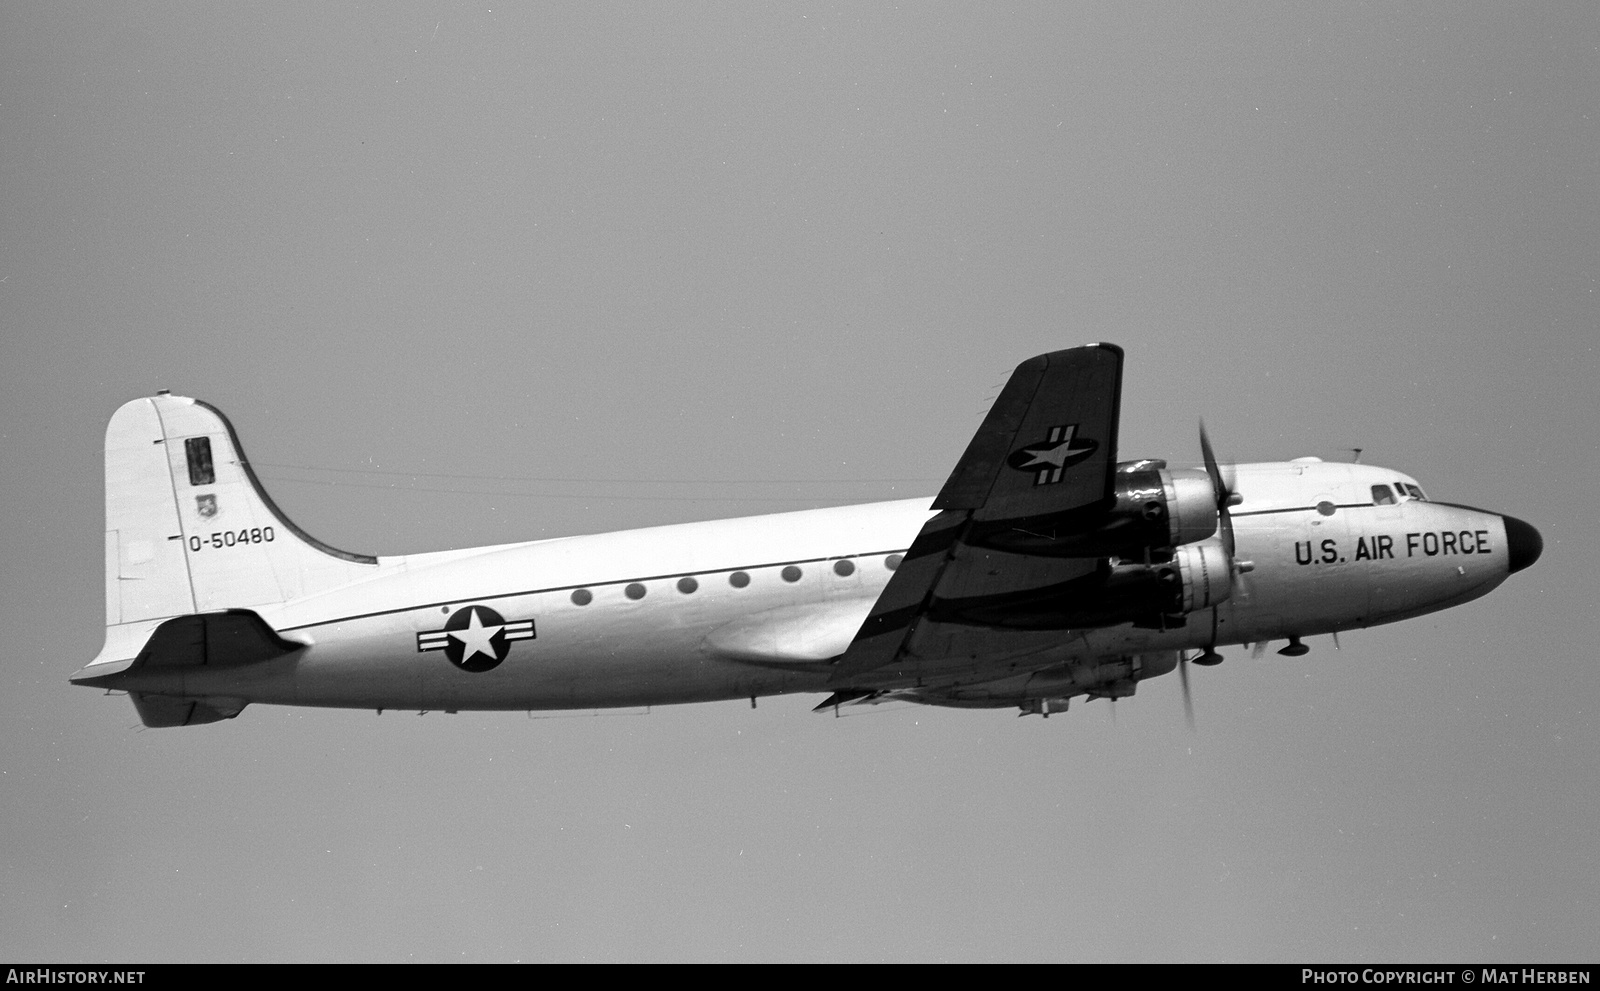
(1183, 677)
(1223, 490)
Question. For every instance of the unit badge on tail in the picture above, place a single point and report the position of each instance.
(475, 638)
(1050, 460)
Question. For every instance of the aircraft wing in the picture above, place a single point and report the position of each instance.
(1043, 459)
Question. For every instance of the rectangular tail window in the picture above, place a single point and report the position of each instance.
(198, 451)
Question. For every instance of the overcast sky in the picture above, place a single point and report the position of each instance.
(463, 275)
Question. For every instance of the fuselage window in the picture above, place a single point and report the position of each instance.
(1416, 490)
(844, 569)
(790, 573)
(893, 561)
(738, 579)
(197, 450)
(1381, 496)
(634, 591)
(687, 585)
(582, 597)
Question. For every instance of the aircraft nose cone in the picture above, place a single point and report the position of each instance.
(1524, 543)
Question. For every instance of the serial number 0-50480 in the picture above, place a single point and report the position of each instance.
(232, 538)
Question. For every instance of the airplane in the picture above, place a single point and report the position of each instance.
(1044, 570)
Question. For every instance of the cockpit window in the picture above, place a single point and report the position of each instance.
(1381, 496)
(1411, 491)
(1416, 490)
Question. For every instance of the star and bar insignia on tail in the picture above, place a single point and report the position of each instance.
(1050, 460)
(475, 638)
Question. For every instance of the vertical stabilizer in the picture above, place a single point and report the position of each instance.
(190, 530)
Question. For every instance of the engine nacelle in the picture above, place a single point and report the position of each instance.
(1198, 576)
(1171, 506)
(1153, 506)
(1205, 574)
(1156, 595)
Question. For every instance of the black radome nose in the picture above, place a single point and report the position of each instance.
(1523, 541)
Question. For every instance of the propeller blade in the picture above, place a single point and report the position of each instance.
(1211, 463)
(1222, 489)
(1183, 677)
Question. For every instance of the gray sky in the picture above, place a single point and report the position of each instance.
(688, 254)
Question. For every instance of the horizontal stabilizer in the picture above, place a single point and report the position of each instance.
(207, 640)
(226, 639)
(162, 711)
(161, 678)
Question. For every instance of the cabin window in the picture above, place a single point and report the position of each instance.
(843, 568)
(198, 452)
(1381, 496)
(582, 597)
(634, 591)
(893, 561)
(739, 579)
(790, 573)
(687, 585)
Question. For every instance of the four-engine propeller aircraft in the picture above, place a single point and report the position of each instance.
(1043, 570)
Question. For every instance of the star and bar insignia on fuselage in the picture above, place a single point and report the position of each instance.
(475, 638)
(1050, 460)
